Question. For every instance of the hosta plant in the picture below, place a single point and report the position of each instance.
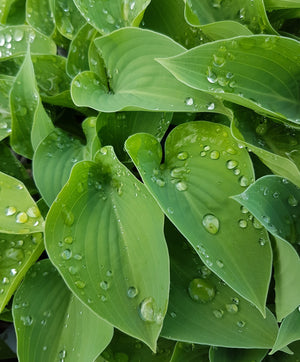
(149, 180)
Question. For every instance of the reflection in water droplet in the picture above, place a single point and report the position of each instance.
(189, 101)
(243, 223)
(232, 308)
(21, 218)
(146, 310)
(66, 254)
(243, 181)
(33, 212)
(182, 156)
(262, 241)
(181, 186)
(132, 292)
(201, 290)
(11, 210)
(292, 201)
(231, 164)
(215, 155)
(211, 223)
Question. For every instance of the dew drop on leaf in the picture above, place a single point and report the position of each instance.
(243, 223)
(80, 284)
(218, 313)
(104, 285)
(66, 254)
(146, 310)
(11, 210)
(182, 156)
(215, 155)
(189, 101)
(21, 218)
(201, 290)
(132, 292)
(232, 308)
(211, 223)
(33, 212)
(231, 164)
(181, 186)
(292, 201)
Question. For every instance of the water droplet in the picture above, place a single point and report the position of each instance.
(262, 241)
(206, 148)
(80, 284)
(181, 186)
(66, 254)
(62, 354)
(13, 272)
(21, 218)
(18, 35)
(170, 210)
(220, 264)
(73, 270)
(33, 212)
(182, 156)
(211, 106)
(231, 164)
(292, 201)
(160, 182)
(256, 224)
(232, 308)
(211, 223)
(241, 324)
(11, 210)
(146, 310)
(5, 280)
(215, 155)
(110, 19)
(189, 101)
(218, 61)
(211, 76)
(27, 320)
(243, 223)
(202, 154)
(68, 239)
(243, 181)
(235, 300)
(244, 210)
(173, 314)
(218, 313)
(68, 217)
(15, 254)
(104, 285)
(78, 257)
(201, 290)
(132, 292)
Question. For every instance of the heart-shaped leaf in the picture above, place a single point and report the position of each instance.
(202, 309)
(135, 80)
(115, 264)
(223, 68)
(203, 167)
(52, 324)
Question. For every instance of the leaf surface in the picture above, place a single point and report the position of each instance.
(6, 83)
(40, 16)
(114, 263)
(223, 68)
(52, 324)
(203, 167)
(236, 355)
(135, 80)
(190, 353)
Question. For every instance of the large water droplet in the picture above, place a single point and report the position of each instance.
(21, 218)
(243, 223)
(146, 310)
(11, 210)
(132, 292)
(181, 186)
(232, 308)
(211, 223)
(66, 254)
(18, 35)
(243, 181)
(33, 212)
(182, 156)
(292, 201)
(215, 155)
(27, 320)
(104, 285)
(231, 164)
(201, 290)
(189, 101)
(15, 254)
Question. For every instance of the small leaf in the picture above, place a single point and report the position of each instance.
(289, 331)
(109, 16)
(223, 68)
(18, 253)
(203, 167)
(52, 324)
(204, 310)
(135, 80)
(18, 213)
(115, 264)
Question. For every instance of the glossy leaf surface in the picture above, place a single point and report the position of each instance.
(236, 355)
(68, 18)
(204, 310)
(113, 263)
(135, 80)
(203, 167)
(40, 16)
(53, 324)
(223, 68)
(6, 83)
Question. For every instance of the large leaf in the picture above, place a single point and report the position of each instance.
(236, 355)
(40, 16)
(203, 309)
(14, 41)
(250, 13)
(223, 68)
(203, 167)
(18, 253)
(57, 154)
(281, 4)
(6, 83)
(289, 331)
(276, 144)
(19, 213)
(113, 262)
(52, 324)
(286, 274)
(275, 202)
(135, 80)
(108, 16)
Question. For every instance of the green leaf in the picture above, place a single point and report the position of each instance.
(14, 41)
(276, 144)
(18, 253)
(223, 68)
(40, 16)
(203, 309)
(51, 323)
(19, 214)
(224, 29)
(289, 331)
(190, 353)
(68, 18)
(217, 354)
(115, 128)
(6, 83)
(109, 16)
(57, 154)
(274, 201)
(113, 262)
(203, 167)
(125, 348)
(78, 52)
(250, 13)
(281, 4)
(286, 274)
(13, 12)
(135, 80)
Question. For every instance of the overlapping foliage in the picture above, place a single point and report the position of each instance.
(149, 179)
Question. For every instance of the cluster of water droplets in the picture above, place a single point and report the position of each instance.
(9, 40)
